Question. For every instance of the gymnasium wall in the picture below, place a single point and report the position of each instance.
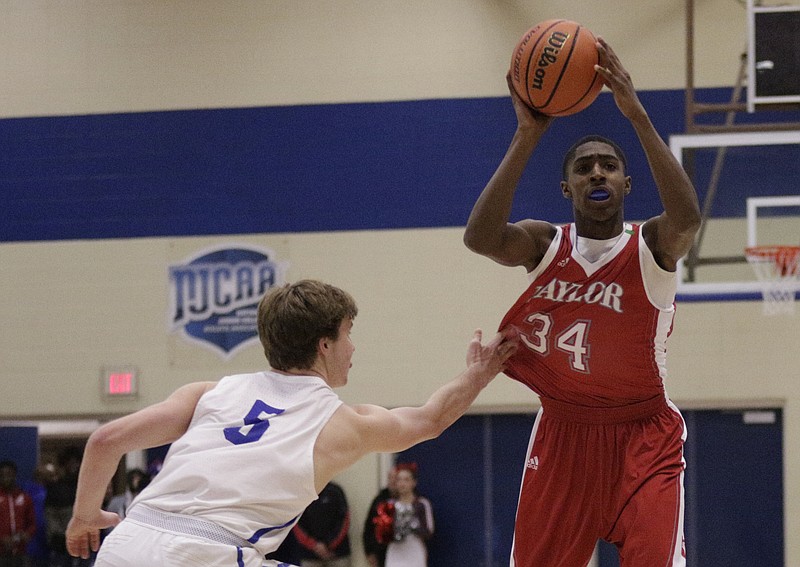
(350, 139)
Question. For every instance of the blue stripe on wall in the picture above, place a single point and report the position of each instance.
(299, 168)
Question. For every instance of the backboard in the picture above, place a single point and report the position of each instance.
(719, 271)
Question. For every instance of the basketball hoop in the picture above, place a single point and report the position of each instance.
(778, 270)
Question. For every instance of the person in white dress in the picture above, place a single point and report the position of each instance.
(413, 521)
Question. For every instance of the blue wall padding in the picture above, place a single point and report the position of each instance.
(331, 167)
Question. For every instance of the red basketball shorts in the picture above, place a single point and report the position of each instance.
(614, 474)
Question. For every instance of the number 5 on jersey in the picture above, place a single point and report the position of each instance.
(256, 423)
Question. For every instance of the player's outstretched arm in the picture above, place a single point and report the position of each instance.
(671, 234)
(489, 231)
(355, 431)
(153, 426)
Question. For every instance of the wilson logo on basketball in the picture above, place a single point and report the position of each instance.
(549, 55)
(552, 68)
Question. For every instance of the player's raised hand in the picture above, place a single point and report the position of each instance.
(617, 78)
(526, 116)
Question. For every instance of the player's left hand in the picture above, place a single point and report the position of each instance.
(617, 78)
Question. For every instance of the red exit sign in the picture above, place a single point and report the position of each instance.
(120, 382)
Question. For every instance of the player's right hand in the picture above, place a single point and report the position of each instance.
(492, 357)
(526, 116)
(83, 535)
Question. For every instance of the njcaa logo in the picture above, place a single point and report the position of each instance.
(214, 296)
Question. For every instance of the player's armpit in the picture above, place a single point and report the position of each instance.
(666, 242)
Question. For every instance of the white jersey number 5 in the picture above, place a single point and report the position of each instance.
(256, 423)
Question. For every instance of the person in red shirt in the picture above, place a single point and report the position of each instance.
(17, 518)
(605, 458)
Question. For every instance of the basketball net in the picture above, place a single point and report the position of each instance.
(778, 270)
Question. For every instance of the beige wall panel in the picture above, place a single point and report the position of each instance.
(99, 56)
(71, 307)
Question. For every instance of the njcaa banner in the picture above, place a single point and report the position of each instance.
(214, 295)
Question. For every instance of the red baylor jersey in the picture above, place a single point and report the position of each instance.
(590, 335)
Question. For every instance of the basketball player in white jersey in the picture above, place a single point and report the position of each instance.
(249, 453)
(605, 458)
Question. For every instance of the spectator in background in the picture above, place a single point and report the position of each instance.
(135, 481)
(375, 550)
(412, 521)
(322, 533)
(58, 507)
(38, 550)
(17, 518)
(287, 551)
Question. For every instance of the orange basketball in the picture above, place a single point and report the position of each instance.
(552, 68)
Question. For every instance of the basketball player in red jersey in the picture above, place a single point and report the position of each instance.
(605, 459)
